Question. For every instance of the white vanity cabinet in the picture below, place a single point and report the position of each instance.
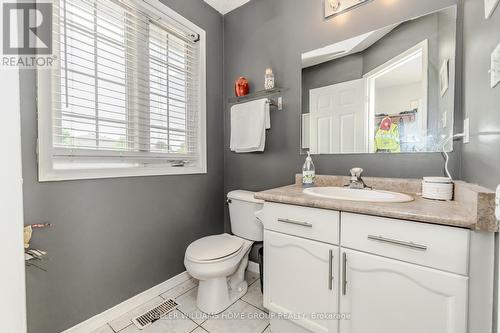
(400, 276)
(386, 275)
(302, 280)
(301, 265)
(389, 296)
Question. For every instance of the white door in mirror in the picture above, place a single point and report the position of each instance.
(495, 66)
(497, 202)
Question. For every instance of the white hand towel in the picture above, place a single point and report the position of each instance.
(268, 114)
(248, 126)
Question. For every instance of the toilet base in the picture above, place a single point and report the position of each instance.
(217, 294)
(214, 296)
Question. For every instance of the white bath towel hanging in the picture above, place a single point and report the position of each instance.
(249, 122)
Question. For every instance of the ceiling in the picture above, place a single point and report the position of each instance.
(407, 73)
(225, 6)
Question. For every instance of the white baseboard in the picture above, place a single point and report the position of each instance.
(105, 317)
(253, 267)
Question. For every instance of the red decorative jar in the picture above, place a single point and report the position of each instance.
(241, 87)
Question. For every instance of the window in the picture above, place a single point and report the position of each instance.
(127, 97)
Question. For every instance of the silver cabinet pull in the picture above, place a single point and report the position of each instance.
(304, 224)
(410, 245)
(330, 270)
(344, 273)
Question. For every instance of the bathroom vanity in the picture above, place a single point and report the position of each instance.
(337, 261)
(361, 267)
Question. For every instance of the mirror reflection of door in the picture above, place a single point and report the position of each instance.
(338, 120)
(397, 102)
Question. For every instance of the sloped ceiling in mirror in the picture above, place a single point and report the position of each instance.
(345, 47)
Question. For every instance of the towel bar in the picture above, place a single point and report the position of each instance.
(278, 104)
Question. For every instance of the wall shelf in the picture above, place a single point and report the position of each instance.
(255, 95)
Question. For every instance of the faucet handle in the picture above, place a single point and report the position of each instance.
(356, 172)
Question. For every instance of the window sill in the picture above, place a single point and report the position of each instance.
(100, 173)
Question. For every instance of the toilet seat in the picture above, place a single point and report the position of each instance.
(214, 248)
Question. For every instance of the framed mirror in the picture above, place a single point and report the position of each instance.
(386, 91)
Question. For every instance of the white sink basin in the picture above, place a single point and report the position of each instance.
(343, 193)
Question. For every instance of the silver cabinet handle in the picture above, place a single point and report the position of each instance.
(330, 270)
(344, 273)
(304, 224)
(410, 245)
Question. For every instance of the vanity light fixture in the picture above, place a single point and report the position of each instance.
(334, 4)
(336, 7)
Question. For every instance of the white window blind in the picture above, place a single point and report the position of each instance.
(127, 92)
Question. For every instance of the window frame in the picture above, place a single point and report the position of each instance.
(46, 150)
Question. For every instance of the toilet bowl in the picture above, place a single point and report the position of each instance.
(219, 262)
(221, 279)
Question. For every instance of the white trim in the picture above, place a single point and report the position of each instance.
(481, 282)
(105, 317)
(489, 7)
(46, 170)
(371, 76)
(253, 267)
(68, 174)
(444, 77)
(305, 129)
(12, 278)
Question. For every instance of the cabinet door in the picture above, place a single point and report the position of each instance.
(301, 281)
(388, 296)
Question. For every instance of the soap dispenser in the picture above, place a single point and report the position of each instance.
(308, 172)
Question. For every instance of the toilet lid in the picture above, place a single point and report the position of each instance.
(214, 247)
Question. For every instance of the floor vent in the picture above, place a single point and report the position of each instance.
(154, 314)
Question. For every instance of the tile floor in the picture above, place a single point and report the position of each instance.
(246, 315)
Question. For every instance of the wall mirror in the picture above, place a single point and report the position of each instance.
(386, 91)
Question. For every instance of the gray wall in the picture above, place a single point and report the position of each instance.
(481, 157)
(114, 238)
(481, 103)
(275, 33)
(446, 45)
(403, 37)
(344, 69)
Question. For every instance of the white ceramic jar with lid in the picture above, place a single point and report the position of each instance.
(437, 188)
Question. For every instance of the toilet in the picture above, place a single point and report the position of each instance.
(219, 262)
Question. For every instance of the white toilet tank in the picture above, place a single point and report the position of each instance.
(242, 208)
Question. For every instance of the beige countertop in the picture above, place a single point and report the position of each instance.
(473, 207)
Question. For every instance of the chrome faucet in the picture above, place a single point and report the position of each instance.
(356, 181)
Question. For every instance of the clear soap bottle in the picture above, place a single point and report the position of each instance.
(308, 172)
